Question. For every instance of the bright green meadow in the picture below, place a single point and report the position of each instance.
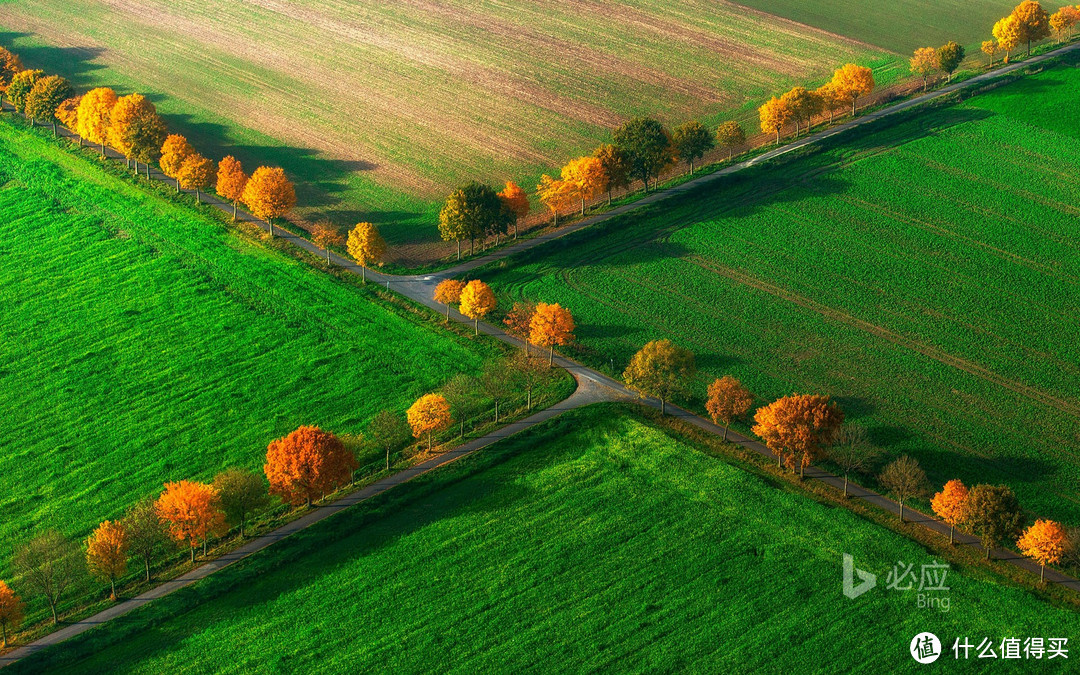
(596, 542)
(925, 273)
(142, 341)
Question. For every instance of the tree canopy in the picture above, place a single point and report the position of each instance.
(691, 141)
(646, 145)
(307, 464)
(472, 211)
(661, 369)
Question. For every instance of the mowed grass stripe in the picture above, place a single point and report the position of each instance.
(143, 342)
(596, 542)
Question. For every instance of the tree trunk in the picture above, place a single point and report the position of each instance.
(242, 519)
(52, 606)
(802, 464)
(328, 256)
(779, 461)
(853, 106)
(583, 206)
(192, 556)
(1042, 573)
(3, 624)
(54, 128)
(198, 196)
(447, 313)
(458, 248)
(551, 354)
(472, 246)
(663, 406)
(845, 486)
(609, 197)
(528, 405)
(556, 212)
(429, 441)
(234, 211)
(515, 228)
(901, 510)
(778, 135)
(987, 552)
(476, 325)
(691, 167)
(178, 185)
(270, 224)
(363, 279)
(951, 529)
(146, 562)
(388, 458)
(725, 432)
(112, 582)
(496, 411)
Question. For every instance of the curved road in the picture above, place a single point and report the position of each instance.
(593, 386)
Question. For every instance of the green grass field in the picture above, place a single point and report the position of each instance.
(925, 274)
(596, 542)
(899, 25)
(142, 341)
(379, 109)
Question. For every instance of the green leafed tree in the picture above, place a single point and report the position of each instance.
(646, 144)
(691, 140)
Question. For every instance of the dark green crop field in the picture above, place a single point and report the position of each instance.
(594, 543)
(925, 273)
(141, 341)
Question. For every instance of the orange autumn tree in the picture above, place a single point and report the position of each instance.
(324, 235)
(174, 150)
(190, 510)
(853, 82)
(430, 413)
(448, 292)
(92, 118)
(1009, 34)
(269, 194)
(555, 194)
(518, 321)
(12, 612)
(196, 173)
(924, 62)
(774, 115)
(727, 399)
(516, 202)
(107, 553)
(551, 325)
(231, 180)
(797, 427)
(366, 246)
(1034, 22)
(68, 113)
(1044, 542)
(477, 300)
(990, 48)
(950, 505)
(10, 64)
(585, 176)
(307, 464)
(136, 129)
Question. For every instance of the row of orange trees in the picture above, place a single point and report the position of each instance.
(302, 467)
(132, 126)
(803, 428)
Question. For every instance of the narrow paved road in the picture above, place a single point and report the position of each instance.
(588, 392)
(593, 386)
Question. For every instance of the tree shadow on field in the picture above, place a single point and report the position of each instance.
(72, 62)
(783, 180)
(322, 183)
(855, 407)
